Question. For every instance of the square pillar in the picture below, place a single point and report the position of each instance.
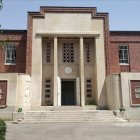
(82, 85)
(36, 74)
(100, 72)
(55, 72)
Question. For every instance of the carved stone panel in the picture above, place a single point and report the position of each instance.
(3, 93)
(135, 92)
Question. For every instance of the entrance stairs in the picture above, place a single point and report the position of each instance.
(70, 114)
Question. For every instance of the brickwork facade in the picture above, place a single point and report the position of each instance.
(23, 58)
(106, 54)
(132, 40)
(23, 41)
(19, 39)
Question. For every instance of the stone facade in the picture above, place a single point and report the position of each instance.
(69, 50)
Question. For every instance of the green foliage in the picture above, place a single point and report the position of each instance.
(1, 4)
(1, 42)
(2, 129)
(90, 102)
(122, 109)
(19, 110)
(2, 137)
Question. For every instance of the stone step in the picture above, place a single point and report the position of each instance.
(74, 120)
(67, 108)
(76, 115)
(60, 119)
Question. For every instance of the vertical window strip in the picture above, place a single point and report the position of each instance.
(88, 88)
(88, 51)
(48, 52)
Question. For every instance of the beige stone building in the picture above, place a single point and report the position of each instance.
(71, 59)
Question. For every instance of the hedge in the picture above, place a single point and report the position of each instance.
(2, 128)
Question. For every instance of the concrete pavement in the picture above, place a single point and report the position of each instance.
(73, 131)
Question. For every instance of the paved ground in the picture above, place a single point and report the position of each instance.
(73, 131)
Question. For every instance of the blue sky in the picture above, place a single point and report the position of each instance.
(123, 14)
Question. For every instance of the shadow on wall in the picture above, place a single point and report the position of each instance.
(102, 100)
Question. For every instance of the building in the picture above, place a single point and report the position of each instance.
(68, 56)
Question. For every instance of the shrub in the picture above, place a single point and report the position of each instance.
(90, 102)
(19, 110)
(2, 128)
(2, 137)
(122, 109)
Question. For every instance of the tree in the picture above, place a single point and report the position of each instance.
(1, 4)
(1, 42)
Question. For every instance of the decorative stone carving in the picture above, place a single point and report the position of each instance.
(27, 91)
(137, 92)
(137, 95)
(68, 70)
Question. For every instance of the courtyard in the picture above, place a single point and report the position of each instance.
(73, 131)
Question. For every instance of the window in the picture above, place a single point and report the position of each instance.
(87, 53)
(10, 54)
(68, 53)
(48, 52)
(123, 54)
(88, 88)
(47, 88)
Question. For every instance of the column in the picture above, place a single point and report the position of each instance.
(100, 71)
(36, 72)
(82, 85)
(55, 72)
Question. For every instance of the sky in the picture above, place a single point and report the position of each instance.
(123, 14)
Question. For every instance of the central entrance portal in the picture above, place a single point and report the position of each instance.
(68, 92)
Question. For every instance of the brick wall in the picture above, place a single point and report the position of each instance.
(19, 38)
(130, 38)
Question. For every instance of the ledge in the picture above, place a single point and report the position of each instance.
(3, 106)
(68, 34)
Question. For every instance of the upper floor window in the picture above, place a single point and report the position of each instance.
(87, 53)
(10, 54)
(48, 52)
(123, 54)
(68, 53)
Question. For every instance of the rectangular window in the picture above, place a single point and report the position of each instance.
(88, 52)
(88, 88)
(123, 54)
(10, 54)
(48, 52)
(48, 88)
(68, 53)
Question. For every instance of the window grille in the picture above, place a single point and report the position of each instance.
(88, 88)
(47, 88)
(48, 52)
(68, 53)
(87, 53)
